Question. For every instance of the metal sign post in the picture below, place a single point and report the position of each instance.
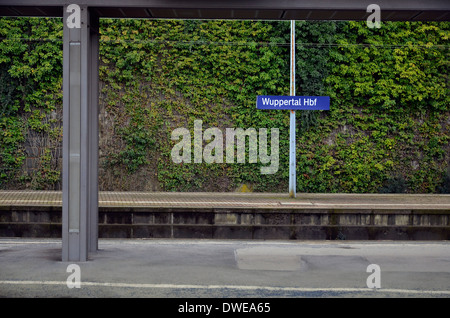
(293, 103)
(292, 173)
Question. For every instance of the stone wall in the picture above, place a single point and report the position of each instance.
(208, 223)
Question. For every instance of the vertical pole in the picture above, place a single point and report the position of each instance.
(80, 135)
(93, 112)
(292, 159)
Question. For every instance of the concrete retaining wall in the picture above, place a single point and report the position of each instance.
(225, 223)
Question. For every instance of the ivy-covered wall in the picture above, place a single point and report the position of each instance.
(387, 129)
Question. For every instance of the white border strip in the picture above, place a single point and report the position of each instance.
(237, 203)
(235, 287)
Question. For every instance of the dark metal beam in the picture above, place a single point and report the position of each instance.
(392, 10)
(242, 4)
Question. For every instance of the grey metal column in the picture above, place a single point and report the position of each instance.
(93, 112)
(80, 134)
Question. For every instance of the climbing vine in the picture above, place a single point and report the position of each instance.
(388, 122)
(31, 69)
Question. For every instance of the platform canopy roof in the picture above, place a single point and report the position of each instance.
(391, 10)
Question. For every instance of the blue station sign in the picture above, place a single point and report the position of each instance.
(293, 102)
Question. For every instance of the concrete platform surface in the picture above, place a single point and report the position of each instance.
(237, 199)
(237, 215)
(171, 268)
